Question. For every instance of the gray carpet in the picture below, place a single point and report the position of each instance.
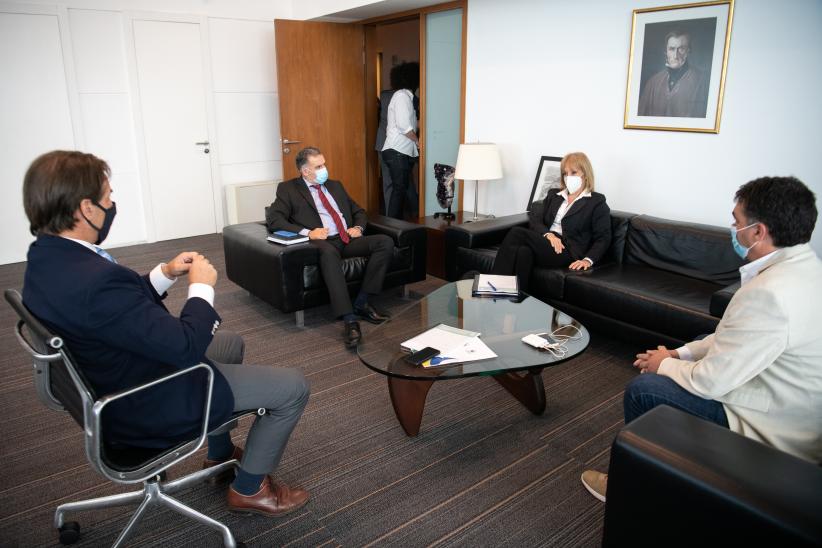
(482, 472)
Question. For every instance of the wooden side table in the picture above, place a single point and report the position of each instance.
(435, 263)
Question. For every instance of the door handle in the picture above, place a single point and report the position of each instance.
(202, 143)
(288, 142)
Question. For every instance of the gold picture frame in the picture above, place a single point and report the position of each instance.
(677, 66)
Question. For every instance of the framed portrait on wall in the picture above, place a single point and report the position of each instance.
(548, 177)
(677, 65)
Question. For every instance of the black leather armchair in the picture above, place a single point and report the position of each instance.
(288, 277)
(62, 386)
(675, 479)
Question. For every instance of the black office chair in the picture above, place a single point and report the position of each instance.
(62, 386)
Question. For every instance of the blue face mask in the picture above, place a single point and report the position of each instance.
(740, 249)
(322, 175)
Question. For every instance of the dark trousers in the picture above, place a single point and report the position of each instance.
(379, 249)
(400, 167)
(281, 391)
(521, 249)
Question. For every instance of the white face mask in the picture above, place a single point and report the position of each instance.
(573, 183)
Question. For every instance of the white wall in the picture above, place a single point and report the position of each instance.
(246, 9)
(305, 9)
(98, 57)
(548, 78)
(77, 51)
(34, 114)
(247, 104)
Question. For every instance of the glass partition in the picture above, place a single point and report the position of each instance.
(443, 75)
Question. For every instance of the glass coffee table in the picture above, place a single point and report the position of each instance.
(501, 322)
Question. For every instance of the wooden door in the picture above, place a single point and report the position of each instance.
(321, 81)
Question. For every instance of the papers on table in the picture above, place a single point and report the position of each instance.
(491, 285)
(471, 350)
(454, 345)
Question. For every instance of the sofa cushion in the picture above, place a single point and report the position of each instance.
(548, 283)
(620, 222)
(480, 259)
(698, 251)
(646, 297)
(721, 299)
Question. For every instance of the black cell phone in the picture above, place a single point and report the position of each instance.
(421, 356)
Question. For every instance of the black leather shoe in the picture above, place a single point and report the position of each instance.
(370, 314)
(352, 334)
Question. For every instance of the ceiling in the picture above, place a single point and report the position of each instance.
(376, 9)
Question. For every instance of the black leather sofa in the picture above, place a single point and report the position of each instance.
(288, 277)
(678, 480)
(661, 281)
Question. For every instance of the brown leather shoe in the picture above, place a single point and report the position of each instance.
(273, 499)
(228, 475)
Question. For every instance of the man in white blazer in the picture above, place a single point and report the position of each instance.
(760, 373)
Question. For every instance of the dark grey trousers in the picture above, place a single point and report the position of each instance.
(379, 249)
(281, 391)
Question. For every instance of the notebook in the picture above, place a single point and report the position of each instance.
(286, 237)
(489, 285)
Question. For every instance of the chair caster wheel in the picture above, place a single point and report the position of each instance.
(69, 532)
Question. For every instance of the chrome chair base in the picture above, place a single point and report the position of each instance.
(155, 493)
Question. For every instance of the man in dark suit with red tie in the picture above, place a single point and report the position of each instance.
(320, 208)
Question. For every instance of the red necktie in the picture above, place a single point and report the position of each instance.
(337, 221)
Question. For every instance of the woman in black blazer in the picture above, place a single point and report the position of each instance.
(573, 231)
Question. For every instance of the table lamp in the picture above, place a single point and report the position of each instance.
(478, 162)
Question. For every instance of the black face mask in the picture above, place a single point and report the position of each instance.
(102, 231)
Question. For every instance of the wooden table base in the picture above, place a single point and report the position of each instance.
(408, 397)
(526, 387)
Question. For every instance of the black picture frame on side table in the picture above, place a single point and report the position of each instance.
(548, 177)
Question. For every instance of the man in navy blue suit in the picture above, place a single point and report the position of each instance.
(122, 335)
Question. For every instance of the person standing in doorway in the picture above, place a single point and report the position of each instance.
(401, 147)
(382, 109)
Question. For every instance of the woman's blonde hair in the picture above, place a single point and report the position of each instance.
(580, 161)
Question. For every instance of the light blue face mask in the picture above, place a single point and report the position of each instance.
(740, 249)
(322, 175)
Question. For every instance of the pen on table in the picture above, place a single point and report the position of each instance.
(492, 286)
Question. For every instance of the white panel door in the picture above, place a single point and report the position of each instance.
(34, 115)
(173, 107)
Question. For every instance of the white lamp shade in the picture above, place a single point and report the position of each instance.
(478, 162)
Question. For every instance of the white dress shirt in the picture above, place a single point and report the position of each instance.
(325, 216)
(556, 226)
(401, 120)
(159, 281)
